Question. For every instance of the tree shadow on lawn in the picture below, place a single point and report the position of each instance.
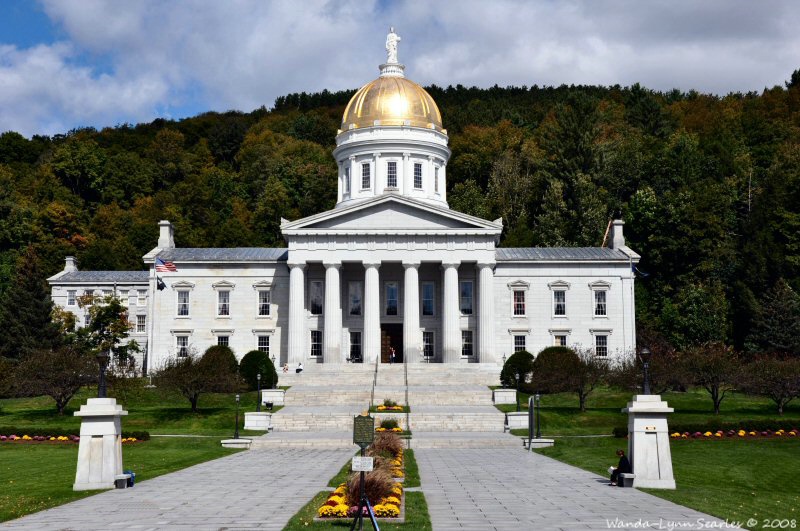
(174, 414)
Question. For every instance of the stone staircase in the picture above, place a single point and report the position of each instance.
(451, 405)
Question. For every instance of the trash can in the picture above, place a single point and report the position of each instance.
(132, 479)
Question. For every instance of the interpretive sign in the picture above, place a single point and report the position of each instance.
(362, 464)
(363, 430)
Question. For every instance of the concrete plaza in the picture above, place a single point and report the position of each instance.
(466, 488)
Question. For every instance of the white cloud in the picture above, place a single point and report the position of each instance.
(167, 58)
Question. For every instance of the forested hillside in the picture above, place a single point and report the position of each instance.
(709, 188)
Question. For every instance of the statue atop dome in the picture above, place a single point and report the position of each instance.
(391, 46)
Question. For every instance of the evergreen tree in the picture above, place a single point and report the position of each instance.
(776, 326)
(25, 311)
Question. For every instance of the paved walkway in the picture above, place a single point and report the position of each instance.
(508, 489)
(256, 489)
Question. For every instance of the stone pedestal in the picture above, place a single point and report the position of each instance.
(648, 442)
(100, 448)
(273, 395)
(504, 396)
(257, 420)
(516, 420)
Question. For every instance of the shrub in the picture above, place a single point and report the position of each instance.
(775, 378)
(386, 442)
(257, 362)
(390, 423)
(221, 356)
(519, 365)
(551, 368)
(388, 402)
(192, 377)
(378, 484)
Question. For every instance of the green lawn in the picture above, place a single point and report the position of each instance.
(560, 414)
(152, 410)
(737, 479)
(38, 476)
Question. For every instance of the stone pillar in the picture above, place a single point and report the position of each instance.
(412, 340)
(372, 312)
(332, 352)
(451, 329)
(355, 178)
(648, 442)
(486, 313)
(297, 321)
(100, 447)
(375, 173)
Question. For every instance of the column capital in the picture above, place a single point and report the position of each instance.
(296, 265)
(485, 263)
(331, 263)
(411, 263)
(406, 154)
(371, 263)
(352, 157)
(446, 264)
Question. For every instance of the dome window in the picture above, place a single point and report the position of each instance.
(391, 174)
(418, 175)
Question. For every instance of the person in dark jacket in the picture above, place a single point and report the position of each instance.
(623, 467)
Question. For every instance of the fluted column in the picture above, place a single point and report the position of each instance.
(372, 312)
(333, 314)
(297, 321)
(486, 313)
(451, 330)
(411, 335)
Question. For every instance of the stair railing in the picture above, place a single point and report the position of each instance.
(405, 372)
(374, 383)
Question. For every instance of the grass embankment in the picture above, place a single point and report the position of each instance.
(149, 409)
(734, 479)
(417, 517)
(39, 476)
(561, 416)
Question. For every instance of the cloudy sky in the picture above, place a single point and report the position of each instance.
(73, 63)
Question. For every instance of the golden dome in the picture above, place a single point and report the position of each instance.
(392, 100)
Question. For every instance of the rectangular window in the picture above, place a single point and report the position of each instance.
(87, 320)
(263, 302)
(132, 298)
(427, 345)
(71, 299)
(601, 346)
(436, 179)
(355, 347)
(263, 344)
(223, 341)
(223, 303)
(418, 175)
(347, 180)
(559, 302)
(519, 343)
(316, 295)
(106, 293)
(142, 297)
(354, 291)
(391, 174)
(519, 302)
(465, 297)
(428, 298)
(600, 303)
(560, 341)
(141, 324)
(183, 303)
(366, 176)
(391, 298)
(466, 343)
(182, 346)
(316, 343)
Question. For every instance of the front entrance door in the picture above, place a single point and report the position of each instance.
(392, 337)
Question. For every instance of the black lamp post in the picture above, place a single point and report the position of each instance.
(645, 356)
(236, 430)
(258, 392)
(102, 360)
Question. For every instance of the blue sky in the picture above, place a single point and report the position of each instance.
(74, 63)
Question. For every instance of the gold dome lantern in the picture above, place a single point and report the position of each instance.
(392, 101)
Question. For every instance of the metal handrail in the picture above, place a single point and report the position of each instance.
(405, 371)
(374, 383)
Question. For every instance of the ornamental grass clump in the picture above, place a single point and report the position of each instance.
(378, 485)
(387, 442)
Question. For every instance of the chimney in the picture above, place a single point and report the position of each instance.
(165, 237)
(70, 265)
(617, 238)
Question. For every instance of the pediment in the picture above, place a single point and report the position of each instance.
(390, 214)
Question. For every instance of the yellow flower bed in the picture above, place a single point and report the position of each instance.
(386, 511)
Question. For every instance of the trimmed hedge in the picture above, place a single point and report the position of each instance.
(55, 432)
(747, 425)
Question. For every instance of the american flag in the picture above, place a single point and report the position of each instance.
(165, 266)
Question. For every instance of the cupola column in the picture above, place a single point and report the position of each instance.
(406, 173)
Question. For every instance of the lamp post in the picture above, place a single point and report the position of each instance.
(645, 356)
(519, 378)
(236, 429)
(536, 398)
(258, 392)
(102, 360)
